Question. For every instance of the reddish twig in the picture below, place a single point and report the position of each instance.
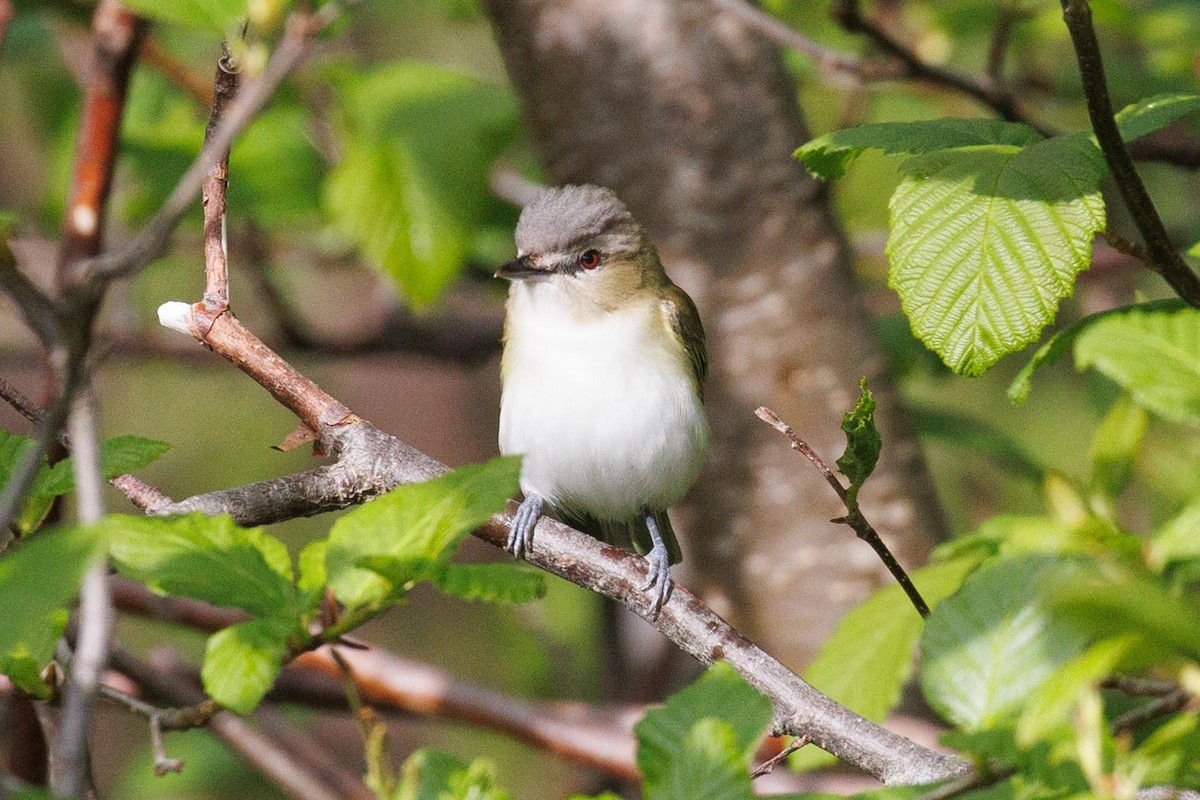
(151, 241)
(216, 255)
(854, 517)
(599, 737)
(177, 72)
(117, 35)
(768, 766)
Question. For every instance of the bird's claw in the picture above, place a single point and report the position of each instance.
(658, 578)
(520, 534)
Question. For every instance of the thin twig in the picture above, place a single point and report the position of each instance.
(116, 38)
(216, 251)
(176, 71)
(1140, 687)
(854, 517)
(1163, 258)
(994, 96)
(1159, 707)
(1006, 17)
(989, 775)
(291, 773)
(831, 61)
(95, 608)
(768, 766)
(20, 403)
(151, 241)
(163, 719)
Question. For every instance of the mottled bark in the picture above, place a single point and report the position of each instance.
(691, 118)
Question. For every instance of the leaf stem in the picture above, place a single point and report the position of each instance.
(1163, 258)
(854, 517)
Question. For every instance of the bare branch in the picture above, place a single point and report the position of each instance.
(151, 241)
(987, 92)
(216, 255)
(95, 609)
(116, 37)
(17, 399)
(1163, 257)
(768, 766)
(598, 737)
(278, 763)
(1159, 707)
(854, 517)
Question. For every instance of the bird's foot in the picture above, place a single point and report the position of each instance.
(520, 534)
(658, 578)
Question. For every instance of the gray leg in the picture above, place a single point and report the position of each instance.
(520, 535)
(658, 568)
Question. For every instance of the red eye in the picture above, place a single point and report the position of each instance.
(590, 259)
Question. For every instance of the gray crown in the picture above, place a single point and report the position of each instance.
(560, 219)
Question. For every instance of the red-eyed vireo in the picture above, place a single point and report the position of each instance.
(602, 371)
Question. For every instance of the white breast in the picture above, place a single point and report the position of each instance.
(604, 410)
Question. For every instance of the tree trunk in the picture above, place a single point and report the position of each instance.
(691, 118)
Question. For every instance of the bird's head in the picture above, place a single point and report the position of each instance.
(581, 245)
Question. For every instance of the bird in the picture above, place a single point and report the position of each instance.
(602, 376)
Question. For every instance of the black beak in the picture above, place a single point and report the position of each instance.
(519, 269)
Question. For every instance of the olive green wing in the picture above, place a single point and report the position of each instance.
(684, 322)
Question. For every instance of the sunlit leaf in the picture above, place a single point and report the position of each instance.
(1062, 341)
(417, 521)
(242, 661)
(985, 242)
(863, 444)
(1153, 354)
(1154, 113)
(39, 577)
(721, 693)
(869, 657)
(988, 647)
(828, 156)
(206, 558)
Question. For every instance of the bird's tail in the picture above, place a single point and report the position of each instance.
(630, 534)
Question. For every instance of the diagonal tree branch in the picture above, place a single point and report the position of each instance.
(1163, 258)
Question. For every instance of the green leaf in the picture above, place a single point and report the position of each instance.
(426, 773)
(987, 648)
(869, 657)
(313, 579)
(982, 437)
(1177, 540)
(1122, 602)
(862, 444)
(411, 191)
(118, 456)
(828, 156)
(39, 577)
(13, 450)
(418, 521)
(1153, 354)
(206, 558)
(985, 242)
(432, 775)
(1115, 446)
(242, 661)
(1062, 341)
(710, 765)
(1154, 113)
(215, 15)
(492, 583)
(1050, 707)
(1172, 752)
(721, 693)
(476, 782)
